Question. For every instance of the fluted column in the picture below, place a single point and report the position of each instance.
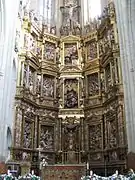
(125, 11)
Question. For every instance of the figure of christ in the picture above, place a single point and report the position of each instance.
(70, 9)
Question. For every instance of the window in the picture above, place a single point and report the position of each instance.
(46, 10)
(93, 9)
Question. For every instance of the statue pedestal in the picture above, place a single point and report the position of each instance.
(25, 168)
(65, 172)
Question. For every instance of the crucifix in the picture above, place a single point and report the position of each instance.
(70, 11)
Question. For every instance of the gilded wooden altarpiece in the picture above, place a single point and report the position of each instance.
(69, 98)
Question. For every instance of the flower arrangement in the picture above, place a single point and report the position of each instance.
(29, 177)
(116, 176)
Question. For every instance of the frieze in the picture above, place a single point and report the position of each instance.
(70, 39)
(49, 68)
(45, 112)
(72, 69)
(46, 118)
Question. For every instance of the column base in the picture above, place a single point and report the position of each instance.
(131, 160)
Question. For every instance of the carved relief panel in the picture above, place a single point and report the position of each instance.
(92, 50)
(95, 137)
(49, 51)
(111, 134)
(48, 86)
(93, 84)
(71, 93)
(47, 137)
(30, 42)
(121, 124)
(70, 137)
(107, 41)
(70, 54)
(110, 37)
(28, 133)
(33, 43)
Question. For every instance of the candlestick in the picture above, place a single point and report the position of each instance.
(87, 165)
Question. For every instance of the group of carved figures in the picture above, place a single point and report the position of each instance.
(71, 93)
(107, 42)
(92, 50)
(47, 138)
(93, 84)
(71, 54)
(49, 52)
(33, 81)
